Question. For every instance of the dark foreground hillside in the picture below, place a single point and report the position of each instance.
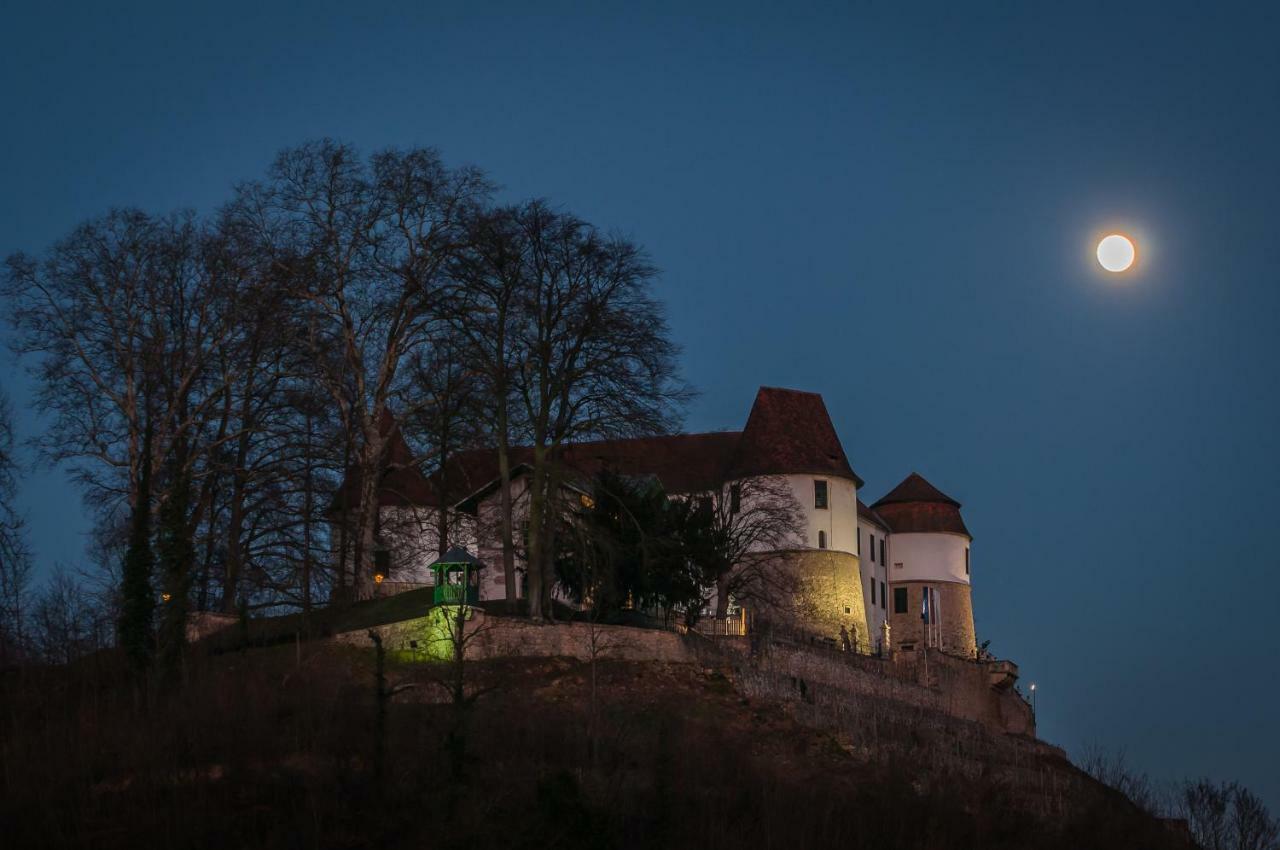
(279, 748)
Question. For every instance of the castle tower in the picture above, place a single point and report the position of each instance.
(789, 438)
(928, 568)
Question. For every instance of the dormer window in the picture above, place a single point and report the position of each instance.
(820, 495)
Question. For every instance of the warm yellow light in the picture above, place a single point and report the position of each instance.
(1116, 253)
(378, 577)
(587, 501)
(165, 597)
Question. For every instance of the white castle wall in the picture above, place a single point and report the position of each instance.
(869, 569)
(839, 520)
(928, 557)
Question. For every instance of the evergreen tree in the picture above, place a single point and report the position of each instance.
(137, 601)
(176, 554)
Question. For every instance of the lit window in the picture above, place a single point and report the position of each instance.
(822, 540)
(820, 495)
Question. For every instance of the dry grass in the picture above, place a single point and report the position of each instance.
(272, 748)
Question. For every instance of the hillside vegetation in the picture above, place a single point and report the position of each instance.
(280, 747)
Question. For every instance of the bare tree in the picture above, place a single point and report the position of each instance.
(118, 310)
(483, 311)
(15, 558)
(749, 521)
(361, 248)
(1226, 816)
(595, 358)
(65, 622)
(447, 422)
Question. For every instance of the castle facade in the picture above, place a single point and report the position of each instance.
(897, 571)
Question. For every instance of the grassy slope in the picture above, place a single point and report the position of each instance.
(275, 749)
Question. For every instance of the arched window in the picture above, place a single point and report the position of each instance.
(822, 540)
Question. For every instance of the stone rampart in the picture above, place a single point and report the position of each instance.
(491, 636)
(934, 681)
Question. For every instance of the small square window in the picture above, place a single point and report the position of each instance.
(820, 495)
(899, 600)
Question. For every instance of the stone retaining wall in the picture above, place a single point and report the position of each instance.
(492, 636)
(953, 686)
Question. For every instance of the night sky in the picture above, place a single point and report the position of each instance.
(895, 210)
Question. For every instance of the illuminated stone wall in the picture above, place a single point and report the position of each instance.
(958, 636)
(819, 591)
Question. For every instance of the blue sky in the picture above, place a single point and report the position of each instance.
(895, 208)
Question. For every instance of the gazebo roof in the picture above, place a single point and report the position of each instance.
(456, 556)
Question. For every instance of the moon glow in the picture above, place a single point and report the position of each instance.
(1116, 253)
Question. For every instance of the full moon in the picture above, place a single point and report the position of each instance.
(1116, 253)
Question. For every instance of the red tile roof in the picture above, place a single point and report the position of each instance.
(684, 463)
(787, 432)
(871, 516)
(403, 483)
(915, 505)
(790, 433)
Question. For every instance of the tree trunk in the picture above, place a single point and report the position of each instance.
(366, 530)
(308, 508)
(537, 505)
(508, 543)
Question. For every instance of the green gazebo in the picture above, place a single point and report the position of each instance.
(457, 575)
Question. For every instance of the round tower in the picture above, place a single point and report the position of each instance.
(929, 569)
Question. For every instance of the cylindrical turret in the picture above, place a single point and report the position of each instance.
(929, 569)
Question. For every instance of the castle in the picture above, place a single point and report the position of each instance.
(895, 573)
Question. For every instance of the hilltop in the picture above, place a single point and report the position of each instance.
(278, 747)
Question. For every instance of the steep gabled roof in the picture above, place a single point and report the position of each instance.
(915, 505)
(402, 484)
(914, 488)
(871, 516)
(683, 463)
(789, 432)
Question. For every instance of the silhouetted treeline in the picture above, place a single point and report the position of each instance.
(244, 362)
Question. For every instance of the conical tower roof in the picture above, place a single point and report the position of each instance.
(789, 432)
(916, 506)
